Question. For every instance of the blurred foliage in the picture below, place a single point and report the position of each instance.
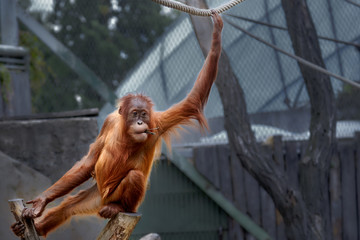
(5, 83)
(24, 3)
(348, 103)
(37, 62)
(110, 37)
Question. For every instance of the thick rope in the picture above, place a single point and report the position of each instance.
(196, 11)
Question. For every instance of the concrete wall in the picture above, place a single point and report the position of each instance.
(48, 146)
(44, 150)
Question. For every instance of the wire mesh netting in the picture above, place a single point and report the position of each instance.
(138, 46)
(85, 53)
(108, 37)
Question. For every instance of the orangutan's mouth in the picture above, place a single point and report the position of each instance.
(149, 131)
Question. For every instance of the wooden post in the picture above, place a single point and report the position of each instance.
(120, 227)
(357, 164)
(16, 207)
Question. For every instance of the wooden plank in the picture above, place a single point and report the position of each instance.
(244, 189)
(292, 163)
(252, 193)
(207, 164)
(280, 226)
(357, 162)
(199, 160)
(223, 162)
(348, 192)
(268, 215)
(237, 178)
(278, 151)
(335, 197)
(303, 147)
(247, 223)
(279, 159)
(235, 230)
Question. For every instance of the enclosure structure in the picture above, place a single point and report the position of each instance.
(175, 208)
(273, 86)
(276, 100)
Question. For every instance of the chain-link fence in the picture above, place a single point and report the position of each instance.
(108, 37)
(138, 46)
(85, 53)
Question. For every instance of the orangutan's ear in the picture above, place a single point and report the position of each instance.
(119, 105)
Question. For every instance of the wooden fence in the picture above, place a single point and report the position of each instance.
(221, 167)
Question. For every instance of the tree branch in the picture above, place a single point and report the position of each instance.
(242, 140)
(314, 167)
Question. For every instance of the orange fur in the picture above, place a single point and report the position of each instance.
(120, 163)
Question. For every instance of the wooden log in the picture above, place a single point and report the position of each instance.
(16, 207)
(120, 227)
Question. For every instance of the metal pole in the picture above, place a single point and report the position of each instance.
(9, 25)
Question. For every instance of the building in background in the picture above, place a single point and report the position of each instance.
(274, 89)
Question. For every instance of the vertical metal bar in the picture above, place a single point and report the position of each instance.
(162, 71)
(333, 29)
(277, 57)
(9, 26)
